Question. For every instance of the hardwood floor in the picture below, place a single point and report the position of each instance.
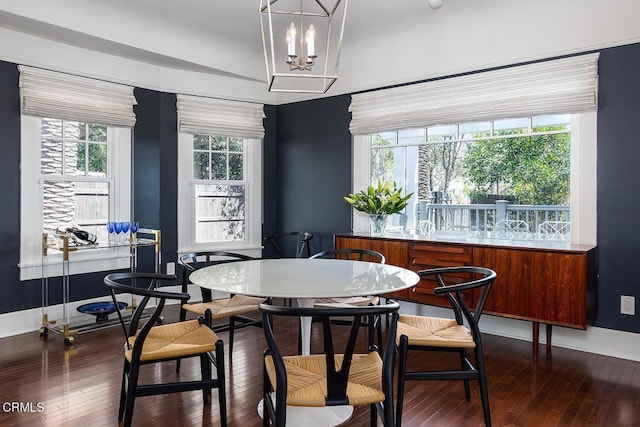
(78, 385)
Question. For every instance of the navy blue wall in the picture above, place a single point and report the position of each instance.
(313, 169)
(307, 170)
(618, 178)
(155, 168)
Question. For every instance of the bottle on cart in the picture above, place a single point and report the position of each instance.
(82, 235)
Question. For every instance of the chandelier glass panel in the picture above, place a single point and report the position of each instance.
(302, 40)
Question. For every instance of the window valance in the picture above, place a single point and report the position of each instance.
(567, 85)
(57, 95)
(200, 115)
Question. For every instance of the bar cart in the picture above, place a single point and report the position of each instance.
(69, 326)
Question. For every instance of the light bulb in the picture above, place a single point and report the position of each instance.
(291, 40)
(310, 39)
(435, 4)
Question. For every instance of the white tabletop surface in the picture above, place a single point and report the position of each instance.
(304, 278)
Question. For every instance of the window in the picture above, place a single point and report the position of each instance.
(75, 165)
(524, 161)
(72, 173)
(458, 172)
(219, 174)
(424, 135)
(219, 192)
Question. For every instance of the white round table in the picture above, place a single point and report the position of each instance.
(306, 280)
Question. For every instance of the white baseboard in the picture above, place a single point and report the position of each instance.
(608, 342)
(26, 321)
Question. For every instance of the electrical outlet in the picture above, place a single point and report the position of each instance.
(171, 268)
(627, 305)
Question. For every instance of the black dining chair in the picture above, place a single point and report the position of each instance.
(467, 289)
(234, 308)
(155, 343)
(292, 244)
(372, 323)
(333, 377)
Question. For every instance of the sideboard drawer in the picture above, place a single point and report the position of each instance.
(424, 256)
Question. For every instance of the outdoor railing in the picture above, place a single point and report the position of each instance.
(537, 221)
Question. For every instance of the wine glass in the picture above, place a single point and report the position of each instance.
(110, 230)
(134, 229)
(125, 230)
(117, 227)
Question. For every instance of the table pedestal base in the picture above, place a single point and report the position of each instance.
(304, 416)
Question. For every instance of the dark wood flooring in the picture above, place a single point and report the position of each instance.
(78, 385)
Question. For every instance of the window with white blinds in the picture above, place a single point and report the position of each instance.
(567, 85)
(219, 174)
(57, 95)
(220, 117)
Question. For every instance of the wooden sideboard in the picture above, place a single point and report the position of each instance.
(552, 283)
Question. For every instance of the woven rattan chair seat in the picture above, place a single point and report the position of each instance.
(176, 340)
(226, 307)
(306, 379)
(434, 331)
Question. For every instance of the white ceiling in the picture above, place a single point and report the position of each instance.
(164, 32)
(202, 45)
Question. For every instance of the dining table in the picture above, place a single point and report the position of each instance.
(306, 280)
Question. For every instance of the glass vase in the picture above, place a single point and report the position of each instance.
(378, 223)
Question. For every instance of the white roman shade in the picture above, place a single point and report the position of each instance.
(567, 85)
(210, 116)
(65, 96)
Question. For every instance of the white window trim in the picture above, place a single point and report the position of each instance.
(583, 201)
(32, 265)
(186, 202)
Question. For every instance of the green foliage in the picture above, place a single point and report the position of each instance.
(534, 169)
(384, 198)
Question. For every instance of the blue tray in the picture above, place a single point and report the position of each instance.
(101, 310)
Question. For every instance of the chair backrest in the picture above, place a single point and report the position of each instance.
(195, 260)
(145, 285)
(454, 281)
(354, 254)
(294, 244)
(337, 376)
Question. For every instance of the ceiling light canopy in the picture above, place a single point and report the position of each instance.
(302, 40)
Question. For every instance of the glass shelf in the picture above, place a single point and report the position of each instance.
(69, 326)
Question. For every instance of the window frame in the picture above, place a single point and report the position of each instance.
(583, 177)
(186, 198)
(32, 264)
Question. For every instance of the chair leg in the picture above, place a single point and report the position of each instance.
(465, 367)
(132, 385)
(402, 368)
(123, 389)
(205, 372)
(371, 325)
(482, 382)
(222, 386)
(378, 326)
(266, 389)
(231, 330)
(373, 414)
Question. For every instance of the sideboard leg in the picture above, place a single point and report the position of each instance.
(536, 336)
(549, 338)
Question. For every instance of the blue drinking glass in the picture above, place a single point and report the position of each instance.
(117, 227)
(134, 230)
(110, 229)
(125, 229)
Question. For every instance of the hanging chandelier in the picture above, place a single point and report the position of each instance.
(302, 40)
